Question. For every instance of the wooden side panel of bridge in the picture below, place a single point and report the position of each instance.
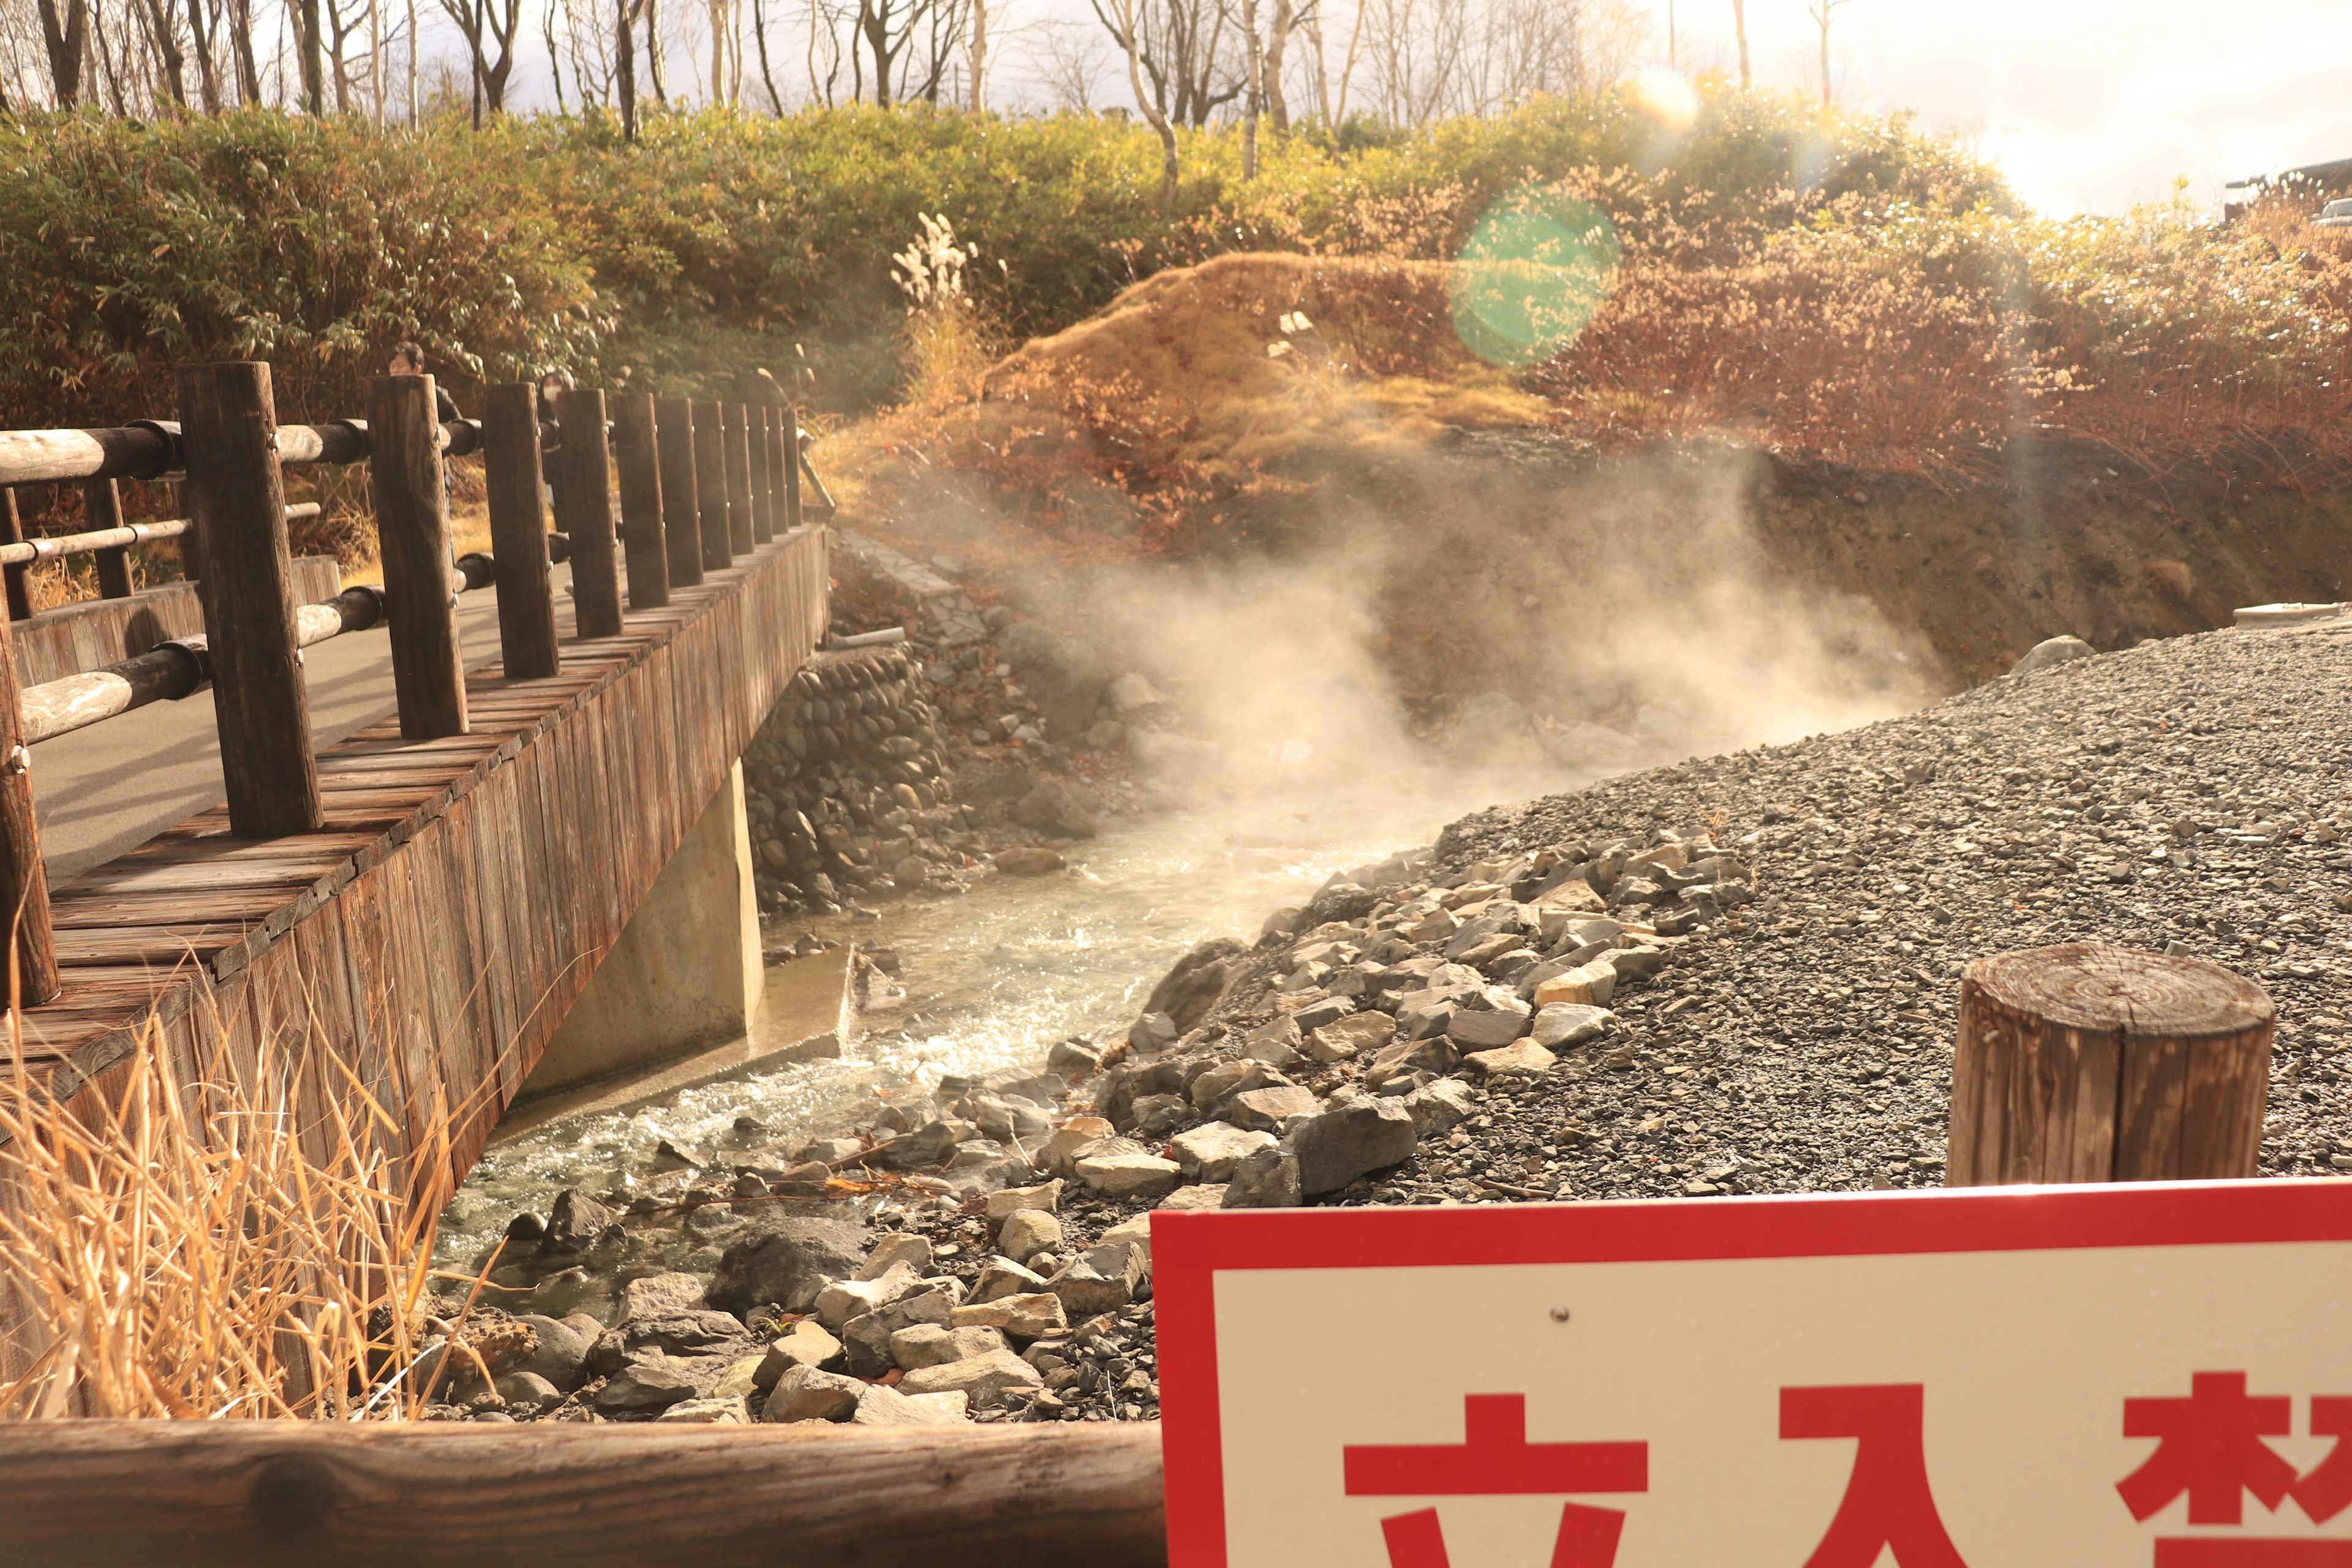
(462, 891)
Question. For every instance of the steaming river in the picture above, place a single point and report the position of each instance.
(994, 977)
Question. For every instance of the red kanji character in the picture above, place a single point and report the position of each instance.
(1887, 1501)
(2326, 1492)
(2211, 1447)
(1495, 1459)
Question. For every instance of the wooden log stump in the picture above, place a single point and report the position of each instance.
(32, 949)
(511, 461)
(585, 513)
(711, 486)
(681, 511)
(236, 500)
(739, 480)
(636, 459)
(2091, 1063)
(412, 523)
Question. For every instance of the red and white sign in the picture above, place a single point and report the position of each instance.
(2052, 1377)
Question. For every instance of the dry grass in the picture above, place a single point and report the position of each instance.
(239, 1249)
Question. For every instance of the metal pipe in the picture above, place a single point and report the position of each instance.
(886, 635)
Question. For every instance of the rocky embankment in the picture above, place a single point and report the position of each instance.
(983, 742)
(1730, 975)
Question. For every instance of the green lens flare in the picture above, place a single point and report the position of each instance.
(1534, 273)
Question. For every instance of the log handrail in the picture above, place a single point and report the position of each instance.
(97, 1493)
(151, 450)
(57, 546)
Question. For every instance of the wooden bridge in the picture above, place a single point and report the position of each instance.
(430, 898)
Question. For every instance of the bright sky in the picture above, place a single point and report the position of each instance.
(2087, 105)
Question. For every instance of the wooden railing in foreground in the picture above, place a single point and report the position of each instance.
(97, 1493)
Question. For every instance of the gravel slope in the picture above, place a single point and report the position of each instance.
(2187, 792)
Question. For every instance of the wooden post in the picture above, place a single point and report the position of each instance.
(411, 524)
(511, 463)
(638, 462)
(585, 499)
(236, 497)
(739, 480)
(779, 485)
(681, 519)
(11, 531)
(102, 504)
(24, 883)
(791, 461)
(2091, 1063)
(711, 486)
(764, 494)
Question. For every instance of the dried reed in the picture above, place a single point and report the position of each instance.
(240, 1248)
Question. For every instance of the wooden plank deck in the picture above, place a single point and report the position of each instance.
(438, 928)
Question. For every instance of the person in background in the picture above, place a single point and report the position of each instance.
(408, 359)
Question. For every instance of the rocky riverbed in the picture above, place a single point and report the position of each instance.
(1734, 974)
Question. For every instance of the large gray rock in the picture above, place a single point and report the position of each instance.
(1101, 1281)
(1188, 991)
(933, 1344)
(1127, 1173)
(804, 1394)
(1566, 1025)
(1350, 1139)
(1272, 1109)
(784, 1262)
(1502, 1020)
(838, 1302)
(1028, 1232)
(1266, 1180)
(985, 1379)
(561, 1355)
(1210, 1152)
(655, 1380)
(1437, 1107)
(2053, 650)
(866, 1340)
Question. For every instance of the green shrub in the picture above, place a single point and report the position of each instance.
(720, 241)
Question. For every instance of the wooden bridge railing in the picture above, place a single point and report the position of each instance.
(728, 476)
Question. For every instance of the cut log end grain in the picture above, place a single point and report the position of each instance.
(2097, 987)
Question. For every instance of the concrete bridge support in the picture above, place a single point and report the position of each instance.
(686, 973)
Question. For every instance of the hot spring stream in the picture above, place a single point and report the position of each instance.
(994, 977)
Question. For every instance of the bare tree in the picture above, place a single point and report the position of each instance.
(484, 24)
(1126, 21)
(1253, 86)
(1068, 62)
(1822, 10)
(249, 68)
(976, 52)
(1739, 28)
(68, 37)
(1277, 47)
(164, 38)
